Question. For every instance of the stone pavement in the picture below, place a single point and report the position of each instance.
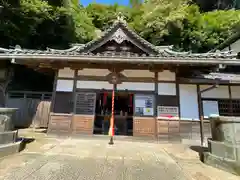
(94, 159)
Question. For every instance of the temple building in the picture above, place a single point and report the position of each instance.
(159, 92)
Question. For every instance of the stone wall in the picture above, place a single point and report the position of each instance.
(224, 146)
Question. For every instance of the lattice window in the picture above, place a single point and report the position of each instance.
(225, 107)
(236, 107)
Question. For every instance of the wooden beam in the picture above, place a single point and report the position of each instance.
(54, 91)
(201, 114)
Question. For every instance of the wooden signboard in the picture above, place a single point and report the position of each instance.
(167, 111)
(85, 103)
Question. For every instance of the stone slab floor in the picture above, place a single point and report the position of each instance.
(93, 159)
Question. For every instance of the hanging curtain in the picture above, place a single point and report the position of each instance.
(105, 94)
(131, 100)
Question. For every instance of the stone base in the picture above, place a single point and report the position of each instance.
(222, 163)
(224, 150)
(8, 149)
(8, 137)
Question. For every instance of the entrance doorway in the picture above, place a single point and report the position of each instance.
(123, 115)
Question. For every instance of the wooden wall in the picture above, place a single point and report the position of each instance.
(144, 127)
(181, 130)
(60, 123)
(33, 108)
(163, 85)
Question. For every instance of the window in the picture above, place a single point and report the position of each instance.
(226, 107)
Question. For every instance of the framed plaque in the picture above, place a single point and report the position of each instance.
(144, 105)
(168, 111)
(85, 103)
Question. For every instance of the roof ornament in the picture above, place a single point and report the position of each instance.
(119, 36)
(18, 48)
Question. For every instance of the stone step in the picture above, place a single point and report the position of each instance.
(11, 148)
(224, 150)
(8, 137)
(225, 164)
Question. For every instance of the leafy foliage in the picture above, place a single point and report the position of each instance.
(57, 23)
(205, 31)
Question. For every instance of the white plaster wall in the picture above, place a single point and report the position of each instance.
(93, 72)
(94, 85)
(166, 75)
(225, 49)
(220, 92)
(188, 102)
(66, 72)
(64, 85)
(235, 90)
(166, 88)
(138, 73)
(136, 86)
(235, 47)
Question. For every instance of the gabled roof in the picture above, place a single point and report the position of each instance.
(118, 32)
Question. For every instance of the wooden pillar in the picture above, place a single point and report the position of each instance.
(178, 99)
(54, 90)
(230, 99)
(155, 104)
(74, 97)
(201, 115)
(178, 94)
(74, 90)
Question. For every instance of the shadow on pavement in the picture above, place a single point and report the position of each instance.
(25, 141)
(200, 150)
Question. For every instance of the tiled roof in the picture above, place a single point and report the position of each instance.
(222, 76)
(85, 50)
(75, 51)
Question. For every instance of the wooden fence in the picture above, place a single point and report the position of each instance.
(33, 108)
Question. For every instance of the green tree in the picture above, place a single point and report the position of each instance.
(84, 28)
(202, 32)
(37, 24)
(160, 18)
(136, 3)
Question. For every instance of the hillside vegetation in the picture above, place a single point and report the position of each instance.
(187, 25)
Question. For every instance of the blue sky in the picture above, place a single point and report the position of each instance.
(122, 2)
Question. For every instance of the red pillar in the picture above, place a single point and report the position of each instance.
(111, 128)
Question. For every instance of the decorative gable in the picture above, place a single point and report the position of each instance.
(120, 39)
(119, 36)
